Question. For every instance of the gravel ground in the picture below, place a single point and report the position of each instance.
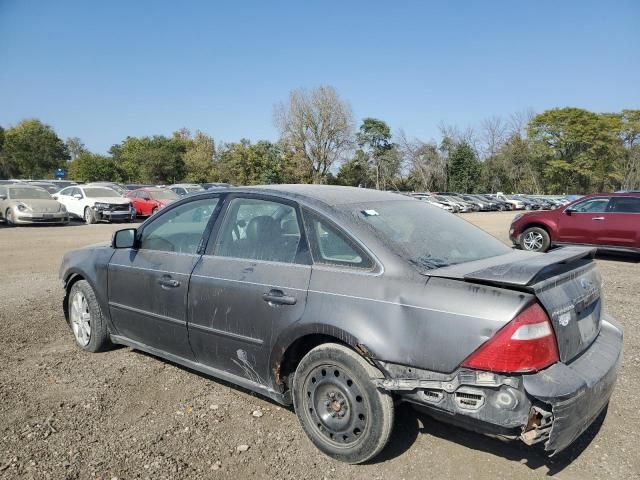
(124, 414)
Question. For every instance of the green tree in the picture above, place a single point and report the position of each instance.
(199, 158)
(464, 169)
(580, 149)
(243, 163)
(90, 167)
(32, 149)
(374, 138)
(355, 172)
(156, 159)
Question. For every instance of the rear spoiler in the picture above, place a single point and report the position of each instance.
(523, 271)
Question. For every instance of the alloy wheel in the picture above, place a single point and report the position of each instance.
(533, 241)
(80, 319)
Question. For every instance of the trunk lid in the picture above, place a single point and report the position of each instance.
(565, 281)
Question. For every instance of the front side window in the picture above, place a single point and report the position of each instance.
(593, 205)
(329, 246)
(259, 230)
(180, 229)
(625, 205)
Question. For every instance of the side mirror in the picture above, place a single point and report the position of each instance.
(77, 196)
(569, 211)
(3, 197)
(125, 238)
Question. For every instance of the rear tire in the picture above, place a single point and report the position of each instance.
(89, 216)
(340, 409)
(85, 318)
(535, 239)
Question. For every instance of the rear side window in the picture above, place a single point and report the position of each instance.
(259, 230)
(625, 205)
(329, 246)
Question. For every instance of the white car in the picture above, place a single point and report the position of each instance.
(515, 203)
(94, 204)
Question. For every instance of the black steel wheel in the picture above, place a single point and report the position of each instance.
(340, 409)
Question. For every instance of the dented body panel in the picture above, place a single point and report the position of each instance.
(417, 326)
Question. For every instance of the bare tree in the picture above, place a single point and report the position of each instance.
(317, 127)
(423, 161)
(75, 147)
(519, 121)
(493, 132)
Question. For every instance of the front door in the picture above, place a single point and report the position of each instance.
(250, 284)
(582, 222)
(148, 285)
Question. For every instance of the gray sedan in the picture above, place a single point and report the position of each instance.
(23, 204)
(344, 301)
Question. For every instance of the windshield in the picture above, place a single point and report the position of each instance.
(163, 195)
(94, 192)
(428, 237)
(23, 193)
(48, 188)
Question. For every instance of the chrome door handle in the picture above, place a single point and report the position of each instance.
(597, 218)
(277, 297)
(167, 282)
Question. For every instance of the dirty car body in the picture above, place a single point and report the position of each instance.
(242, 283)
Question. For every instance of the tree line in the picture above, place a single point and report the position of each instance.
(562, 150)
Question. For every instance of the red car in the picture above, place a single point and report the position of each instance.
(149, 200)
(610, 221)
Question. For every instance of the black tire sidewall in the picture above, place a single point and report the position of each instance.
(368, 445)
(546, 240)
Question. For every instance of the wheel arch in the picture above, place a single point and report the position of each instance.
(540, 224)
(292, 346)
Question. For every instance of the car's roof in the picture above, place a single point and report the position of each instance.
(332, 195)
(24, 185)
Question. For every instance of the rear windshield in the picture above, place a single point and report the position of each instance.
(163, 194)
(427, 236)
(22, 193)
(96, 192)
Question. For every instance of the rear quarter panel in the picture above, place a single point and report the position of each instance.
(432, 324)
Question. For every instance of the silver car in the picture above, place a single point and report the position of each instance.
(22, 204)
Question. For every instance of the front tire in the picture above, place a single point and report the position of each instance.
(535, 239)
(8, 218)
(85, 318)
(89, 216)
(340, 409)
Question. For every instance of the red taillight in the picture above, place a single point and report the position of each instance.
(525, 344)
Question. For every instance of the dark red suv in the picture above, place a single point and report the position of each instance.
(609, 221)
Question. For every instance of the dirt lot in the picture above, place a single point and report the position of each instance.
(68, 414)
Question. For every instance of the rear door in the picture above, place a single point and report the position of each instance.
(148, 285)
(251, 283)
(583, 222)
(621, 227)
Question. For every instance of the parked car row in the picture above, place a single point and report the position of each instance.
(467, 202)
(59, 201)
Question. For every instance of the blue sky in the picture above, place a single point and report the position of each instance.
(105, 70)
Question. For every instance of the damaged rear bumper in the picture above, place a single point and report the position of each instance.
(554, 406)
